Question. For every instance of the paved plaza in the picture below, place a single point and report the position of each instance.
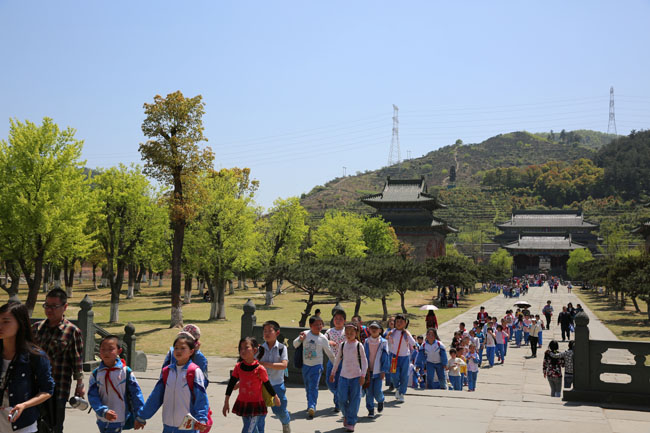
(513, 397)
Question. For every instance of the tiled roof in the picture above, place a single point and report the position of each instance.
(403, 191)
(560, 243)
(547, 219)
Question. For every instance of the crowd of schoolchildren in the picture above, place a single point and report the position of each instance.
(360, 360)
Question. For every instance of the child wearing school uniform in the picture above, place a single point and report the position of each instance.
(389, 328)
(541, 328)
(490, 346)
(354, 365)
(114, 393)
(401, 344)
(335, 336)
(519, 329)
(454, 366)
(436, 360)
(314, 345)
(173, 392)
(500, 337)
(274, 357)
(376, 348)
(198, 358)
(472, 367)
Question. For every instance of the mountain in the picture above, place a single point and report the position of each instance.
(515, 149)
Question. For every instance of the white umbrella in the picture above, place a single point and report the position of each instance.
(428, 307)
(522, 304)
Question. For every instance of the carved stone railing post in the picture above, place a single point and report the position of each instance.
(135, 359)
(248, 319)
(581, 368)
(86, 323)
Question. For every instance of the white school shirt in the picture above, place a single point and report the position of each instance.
(351, 368)
(313, 347)
(433, 351)
(454, 366)
(394, 342)
(272, 355)
(177, 398)
(489, 340)
(108, 395)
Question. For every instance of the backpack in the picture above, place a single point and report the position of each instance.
(129, 419)
(191, 372)
(297, 357)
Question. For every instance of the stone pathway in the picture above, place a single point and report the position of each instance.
(513, 397)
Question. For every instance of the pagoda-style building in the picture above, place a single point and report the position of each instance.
(408, 207)
(541, 241)
(644, 230)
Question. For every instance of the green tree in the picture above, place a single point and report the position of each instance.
(224, 234)
(379, 237)
(339, 234)
(501, 262)
(283, 232)
(576, 259)
(174, 126)
(457, 271)
(43, 193)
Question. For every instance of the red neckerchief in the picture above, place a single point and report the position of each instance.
(108, 380)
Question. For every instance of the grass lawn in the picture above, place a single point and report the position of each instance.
(626, 323)
(150, 313)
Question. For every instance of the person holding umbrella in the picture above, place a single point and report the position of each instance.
(431, 320)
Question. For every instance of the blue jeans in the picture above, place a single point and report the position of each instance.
(510, 332)
(471, 379)
(280, 411)
(490, 354)
(539, 336)
(456, 383)
(109, 427)
(400, 378)
(251, 423)
(311, 378)
(349, 392)
(480, 354)
(374, 392)
(526, 335)
(333, 386)
(439, 370)
(501, 351)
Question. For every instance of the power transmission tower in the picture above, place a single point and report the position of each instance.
(394, 156)
(344, 171)
(611, 126)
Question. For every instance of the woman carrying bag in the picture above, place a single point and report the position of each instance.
(26, 377)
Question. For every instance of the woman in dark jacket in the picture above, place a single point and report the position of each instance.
(431, 320)
(26, 377)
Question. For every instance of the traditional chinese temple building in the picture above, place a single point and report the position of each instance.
(541, 241)
(408, 206)
(644, 230)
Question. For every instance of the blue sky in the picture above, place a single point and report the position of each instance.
(297, 90)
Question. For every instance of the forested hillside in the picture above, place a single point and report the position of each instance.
(517, 170)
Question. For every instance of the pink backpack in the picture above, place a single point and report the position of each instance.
(191, 372)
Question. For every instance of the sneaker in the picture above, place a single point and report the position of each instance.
(397, 395)
(349, 428)
(311, 412)
(337, 409)
(371, 414)
(400, 398)
(391, 388)
(380, 407)
(286, 428)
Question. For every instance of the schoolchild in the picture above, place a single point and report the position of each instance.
(506, 335)
(198, 358)
(390, 325)
(481, 337)
(401, 344)
(500, 337)
(376, 348)
(354, 365)
(462, 350)
(252, 377)
(510, 319)
(314, 345)
(419, 363)
(527, 325)
(335, 336)
(275, 359)
(472, 367)
(436, 360)
(453, 366)
(175, 395)
(519, 329)
(362, 329)
(26, 376)
(490, 346)
(114, 393)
